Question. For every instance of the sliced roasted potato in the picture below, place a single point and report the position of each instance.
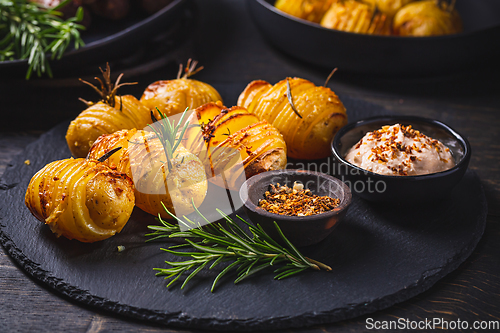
(310, 10)
(355, 16)
(426, 18)
(143, 159)
(234, 134)
(102, 118)
(307, 136)
(81, 199)
(174, 96)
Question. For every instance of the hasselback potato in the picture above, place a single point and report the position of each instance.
(176, 180)
(310, 10)
(81, 199)
(174, 96)
(111, 114)
(355, 16)
(308, 130)
(231, 134)
(427, 18)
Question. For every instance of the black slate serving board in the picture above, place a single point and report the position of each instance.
(380, 255)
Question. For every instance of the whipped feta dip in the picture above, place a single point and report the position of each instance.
(399, 150)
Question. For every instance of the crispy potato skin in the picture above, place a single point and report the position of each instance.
(355, 16)
(101, 118)
(390, 7)
(174, 96)
(228, 132)
(81, 199)
(323, 114)
(425, 18)
(311, 10)
(142, 158)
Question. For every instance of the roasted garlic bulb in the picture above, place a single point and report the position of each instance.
(355, 16)
(176, 181)
(427, 18)
(81, 199)
(234, 135)
(310, 10)
(111, 114)
(174, 96)
(307, 130)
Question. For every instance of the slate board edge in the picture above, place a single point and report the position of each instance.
(180, 320)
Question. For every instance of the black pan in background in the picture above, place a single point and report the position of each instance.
(106, 41)
(387, 55)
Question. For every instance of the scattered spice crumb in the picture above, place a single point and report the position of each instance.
(295, 201)
(121, 248)
(27, 162)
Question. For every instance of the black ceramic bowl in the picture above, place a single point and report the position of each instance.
(300, 230)
(386, 55)
(401, 189)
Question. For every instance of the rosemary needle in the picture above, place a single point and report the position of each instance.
(215, 243)
(290, 98)
(169, 133)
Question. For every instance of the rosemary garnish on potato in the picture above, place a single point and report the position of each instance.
(169, 134)
(108, 89)
(215, 243)
(329, 77)
(290, 98)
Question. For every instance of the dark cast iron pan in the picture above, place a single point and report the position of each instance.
(387, 55)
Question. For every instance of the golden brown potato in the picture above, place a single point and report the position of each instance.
(143, 159)
(321, 112)
(426, 18)
(310, 10)
(390, 7)
(101, 118)
(227, 132)
(174, 96)
(81, 199)
(111, 114)
(355, 16)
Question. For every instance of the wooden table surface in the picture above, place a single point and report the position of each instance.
(225, 41)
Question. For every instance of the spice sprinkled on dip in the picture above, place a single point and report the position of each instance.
(399, 150)
(295, 201)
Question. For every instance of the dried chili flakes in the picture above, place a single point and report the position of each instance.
(295, 201)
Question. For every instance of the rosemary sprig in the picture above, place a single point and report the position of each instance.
(290, 98)
(108, 89)
(190, 69)
(169, 134)
(329, 77)
(215, 243)
(228, 132)
(108, 154)
(33, 32)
